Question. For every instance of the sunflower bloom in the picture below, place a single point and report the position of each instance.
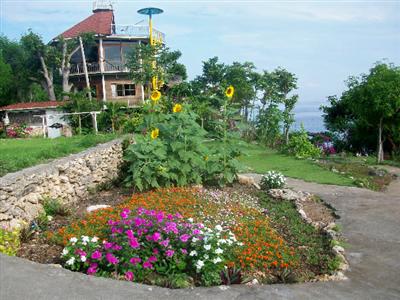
(155, 95)
(177, 108)
(154, 133)
(230, 91)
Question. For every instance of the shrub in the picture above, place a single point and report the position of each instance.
(18, 131)
(148, 243)
(272, 180)
(53, 207)
(300, 146)
(9, 241)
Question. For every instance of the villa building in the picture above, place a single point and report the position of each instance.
(106, 59)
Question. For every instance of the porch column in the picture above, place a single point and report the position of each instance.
(103, 83)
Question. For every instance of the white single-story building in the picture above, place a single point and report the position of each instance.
(42, 117)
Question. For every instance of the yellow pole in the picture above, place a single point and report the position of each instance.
(152, 43)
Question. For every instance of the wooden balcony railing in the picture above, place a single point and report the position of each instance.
(93, 68)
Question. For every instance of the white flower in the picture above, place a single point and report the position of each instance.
(206, 256)
(199, 264)
(217, 260)
(240, 244)
(193, 253)
(95, 239)
(49, 218)
(190, 220)
(70, 261)
(218, 227)
(85, 238)
(207, 247)
(219, 251)
(221, 241)
(194, 239)
(73, 240)
(65, 252)
(83, 258)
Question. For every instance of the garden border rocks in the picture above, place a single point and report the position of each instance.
(69, 179)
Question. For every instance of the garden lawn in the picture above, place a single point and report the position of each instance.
(17, 154)
(260, 159)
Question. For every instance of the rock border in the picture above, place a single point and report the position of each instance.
(298, 198)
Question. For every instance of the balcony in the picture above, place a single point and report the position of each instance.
(94, 68)
(136, 31)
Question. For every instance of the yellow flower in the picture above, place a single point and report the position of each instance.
(177, 108)
(155, 95)
(206, 158)
(230, 91)
(154, 133)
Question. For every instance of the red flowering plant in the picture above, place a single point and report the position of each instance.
(18, 131)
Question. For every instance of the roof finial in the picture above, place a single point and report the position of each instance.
(102, 5)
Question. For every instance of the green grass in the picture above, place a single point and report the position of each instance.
(22, 153)
(259, 159)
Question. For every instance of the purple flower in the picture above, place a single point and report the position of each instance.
(80, 252)
(129, 276)
(134, 243)
(92, 269)
(112, 259)
(155, 251)
(169, 253)
(147, 265)
(160, 216)
(152, 259)
(140, 210)
(138, 221)
(184, 251)
(170, 217)
(96, 255)
(184, 237)
(135, 260)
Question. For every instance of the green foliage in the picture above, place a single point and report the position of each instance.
(9, 241)
(301, 147)
(53, 207)
(268, 125)
(272, 180)
(370, 103)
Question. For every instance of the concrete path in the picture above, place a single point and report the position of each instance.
(370, 224)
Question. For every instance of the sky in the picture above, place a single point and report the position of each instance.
(322, 42)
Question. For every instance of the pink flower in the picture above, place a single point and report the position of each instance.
(138, 221)
(129, 276)
(125, 213)
(96, 255)
(117, 247)
(152, 259)
(107, 245)
(160, 216)
(140, 210)
(134, 243)
(196, 231)
(184, 237)
(156, 236)
(80, 252)
(135, 260)
(147, 265)
(155, 251)
(170, 253)
(184, 251)
(164, 243)
(129, 233)
(92, 269)
(112, 259)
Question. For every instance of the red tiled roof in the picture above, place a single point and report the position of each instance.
(100, 23)
(32, 105)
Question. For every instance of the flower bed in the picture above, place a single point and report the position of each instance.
(184, 235)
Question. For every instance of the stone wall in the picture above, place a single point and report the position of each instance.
(68, 179)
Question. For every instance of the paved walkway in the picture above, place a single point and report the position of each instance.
(370, 223)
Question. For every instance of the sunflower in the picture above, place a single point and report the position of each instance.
(177, 108)
(230, 91)
(154, 133)
(155, 95)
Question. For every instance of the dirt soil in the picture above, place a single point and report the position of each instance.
(318, 211)
(37, 248)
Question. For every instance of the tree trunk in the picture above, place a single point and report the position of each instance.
(287, 134)
(48, 76)
(85, 69)
(380, 143)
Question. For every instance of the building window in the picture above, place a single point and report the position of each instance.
(121, 90)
